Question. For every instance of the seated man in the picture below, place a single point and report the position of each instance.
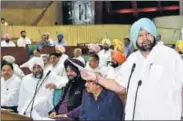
(60, 40)
(23, 40)
(7, 42)
(30, 83)
(100, 104)
(17, 71)
(55, 64)
(69, 106)
(93, 63)
(44, 42)
(77, 53)
(105, 53)
(10, 86)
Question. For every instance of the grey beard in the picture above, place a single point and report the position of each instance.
(38, 76)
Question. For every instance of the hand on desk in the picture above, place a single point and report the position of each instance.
(54, 115)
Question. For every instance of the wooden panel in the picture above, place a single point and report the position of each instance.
(20, 53)
(75, 34)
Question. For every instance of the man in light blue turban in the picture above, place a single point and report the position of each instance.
(60, 40)
(151, 77)
(144, 29)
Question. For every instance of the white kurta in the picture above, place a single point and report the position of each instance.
(9, 44)
(59, 67)
(43, 101)
(159, 96)
(10, 91)
(104, 56)
(112, 73)
(22, 42)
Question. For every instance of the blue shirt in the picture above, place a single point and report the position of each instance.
(128, 50)
(40, 44)
(108, 106)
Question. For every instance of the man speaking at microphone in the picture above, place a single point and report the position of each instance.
(155, 82)
(45, 83)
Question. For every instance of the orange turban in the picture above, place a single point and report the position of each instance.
(118, 56)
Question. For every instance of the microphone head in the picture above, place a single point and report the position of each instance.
(134, 65)
(140, 82)
(48, 72)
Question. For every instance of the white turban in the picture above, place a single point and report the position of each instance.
(107, 41)
(9, 59)
(33, 61)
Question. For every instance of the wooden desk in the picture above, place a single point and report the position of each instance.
(69, 50)
(5, 115)
(20, 53)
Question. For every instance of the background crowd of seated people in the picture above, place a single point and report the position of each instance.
(79, 98)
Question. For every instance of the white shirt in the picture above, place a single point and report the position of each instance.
(59, 67)
(159, 96)
(22, 42)
(9, 44)
(104, 56)
(43, 101)
(112, 73)
(80, 58)
(10, 91)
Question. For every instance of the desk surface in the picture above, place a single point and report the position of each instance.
(6, 115)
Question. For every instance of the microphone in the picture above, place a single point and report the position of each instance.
(36, 90)
(139, 84)
(129, 79)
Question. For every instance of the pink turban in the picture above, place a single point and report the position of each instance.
(93, 47)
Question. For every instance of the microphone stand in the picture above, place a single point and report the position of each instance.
(37, 91)
(139, 84)
(133, 68)
(33, 98)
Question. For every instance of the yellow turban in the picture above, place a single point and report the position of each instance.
(119, 48)
(117, 42)
(60, 48)
(179, 45)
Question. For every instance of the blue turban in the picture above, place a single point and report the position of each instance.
(60, 36)
(143, 23)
